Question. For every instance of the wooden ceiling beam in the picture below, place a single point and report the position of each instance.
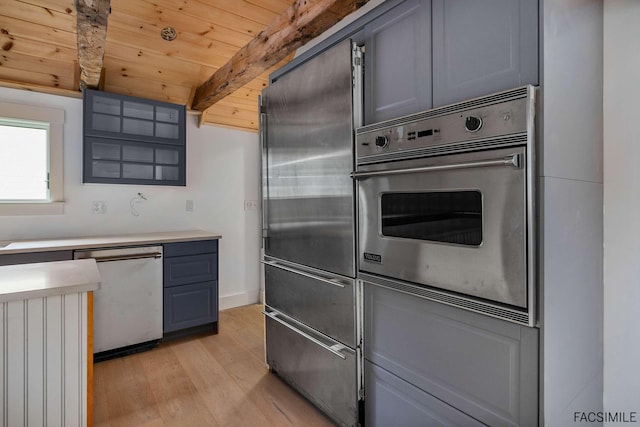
(300, 23)
(91, 28)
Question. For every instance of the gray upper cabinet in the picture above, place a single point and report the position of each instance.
(130, 140)
(481, 47)
(111, 115)
(397, 78)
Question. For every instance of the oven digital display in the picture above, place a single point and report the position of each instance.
(440, 216)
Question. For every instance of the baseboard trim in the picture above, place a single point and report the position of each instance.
(239, 299)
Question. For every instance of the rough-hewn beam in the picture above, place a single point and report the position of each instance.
(91, 29)
(303, 21)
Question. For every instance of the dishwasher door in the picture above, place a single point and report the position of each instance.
(127, 309)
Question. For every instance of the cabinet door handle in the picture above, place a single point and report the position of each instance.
(335, 349)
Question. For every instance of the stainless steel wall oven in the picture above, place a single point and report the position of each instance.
(446, 204)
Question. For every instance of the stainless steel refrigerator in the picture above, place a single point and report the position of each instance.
(312, 319)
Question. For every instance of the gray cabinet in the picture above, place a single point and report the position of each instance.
(481, 47)
(31, 257)
(190, 286)
(421, 54)
(397, 72)
(484, 367)
(130, 140)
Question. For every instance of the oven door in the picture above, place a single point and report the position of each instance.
(454, 222)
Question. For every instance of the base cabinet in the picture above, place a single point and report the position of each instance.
(482, 367)
(190, 285)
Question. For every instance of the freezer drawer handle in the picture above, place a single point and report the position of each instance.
(154, 255)
(334, 282)
(335, 349)
(513, 160)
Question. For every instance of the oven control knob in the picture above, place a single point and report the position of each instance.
(473, 123)
(382, 141)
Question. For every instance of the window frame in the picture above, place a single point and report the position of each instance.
(55, 118)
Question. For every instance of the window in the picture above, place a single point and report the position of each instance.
(30, 160)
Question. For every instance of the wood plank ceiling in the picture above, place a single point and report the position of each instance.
(38, 49)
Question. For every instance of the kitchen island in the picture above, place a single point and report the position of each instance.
(45, 342)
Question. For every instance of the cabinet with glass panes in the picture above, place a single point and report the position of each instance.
(129, 140)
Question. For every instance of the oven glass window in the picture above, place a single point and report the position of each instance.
(440, 216)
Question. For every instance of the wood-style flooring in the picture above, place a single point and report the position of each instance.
(203, 380)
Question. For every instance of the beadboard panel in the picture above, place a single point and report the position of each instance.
(43, 359)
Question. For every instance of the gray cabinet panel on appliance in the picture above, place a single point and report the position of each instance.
(483, 47)
(397, 74)
(309, 198)
(328, 308)
(390, 401)
(484, 367)
(31, 257)
(323, 377)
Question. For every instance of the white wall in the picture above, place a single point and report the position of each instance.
(622, 206)
(223, 171)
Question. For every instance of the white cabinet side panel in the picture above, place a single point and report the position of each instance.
(3, 365)
(72, 359)
(35, 361)
(53, 361)
(15, 402)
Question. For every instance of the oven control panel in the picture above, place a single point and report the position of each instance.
(443, 127)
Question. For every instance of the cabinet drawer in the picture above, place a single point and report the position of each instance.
(190, 305)
(190, 269)
(485, 367)
(333, 308)
(300, 356)
(390, 401)
(190, 248)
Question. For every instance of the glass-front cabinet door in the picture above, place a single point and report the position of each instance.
(130, 140)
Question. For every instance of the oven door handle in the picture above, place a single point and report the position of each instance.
(513, 160)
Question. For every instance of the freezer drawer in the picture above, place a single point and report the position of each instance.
(319, 300)
(321, 369)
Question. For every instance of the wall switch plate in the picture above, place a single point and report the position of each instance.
(250, 205)
(189, 206)
(99, 207)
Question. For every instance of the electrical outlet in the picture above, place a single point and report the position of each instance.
(99, 207)
(189, 206)
(250, 205)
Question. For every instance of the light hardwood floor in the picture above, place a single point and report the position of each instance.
(204, 380)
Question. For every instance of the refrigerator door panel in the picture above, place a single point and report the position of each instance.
(321, 369)
(308, 155)
(321, 301)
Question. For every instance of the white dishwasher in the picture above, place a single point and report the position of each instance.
(127, 309)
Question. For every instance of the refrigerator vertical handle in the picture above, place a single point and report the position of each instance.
(264, 173)
(357, 53)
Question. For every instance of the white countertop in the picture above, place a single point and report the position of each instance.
(45, 279)
(24, 246)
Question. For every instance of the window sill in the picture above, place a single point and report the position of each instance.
(22, 209)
